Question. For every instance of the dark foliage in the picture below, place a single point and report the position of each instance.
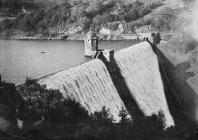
(86, 14)
(66, 119)
(5, 25)
(14, 7)
(49, 105)
(103, 117)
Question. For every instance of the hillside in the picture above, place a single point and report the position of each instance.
(79, 16)
(14, 7)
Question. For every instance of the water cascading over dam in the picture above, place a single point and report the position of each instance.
(89, 84)
(139, 67)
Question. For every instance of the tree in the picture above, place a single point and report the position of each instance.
(93, 8)
(108, 17)
(85, 23)
(103, 116)
(5, 25)
(123, 114)
(49, 104)
(77, 13)
(97, 21)
(131, 15)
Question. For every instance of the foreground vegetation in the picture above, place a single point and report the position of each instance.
(47, 115)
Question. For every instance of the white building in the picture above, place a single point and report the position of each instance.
(105, 31)
(75, 29)
(113, 28)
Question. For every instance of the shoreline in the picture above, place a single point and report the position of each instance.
(75, 37)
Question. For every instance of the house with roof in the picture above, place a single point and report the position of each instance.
(144, 31)
(105, 31)
(113, 28)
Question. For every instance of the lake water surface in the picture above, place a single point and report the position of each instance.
(20, 59)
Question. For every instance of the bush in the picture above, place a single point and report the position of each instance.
(48, 104)
(77, 12)
(103, 116)
(5, 25)
(97, 21)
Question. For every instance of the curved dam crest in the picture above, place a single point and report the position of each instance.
(92, 86)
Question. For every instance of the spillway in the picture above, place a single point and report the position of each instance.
(89, 84)
(139, 67)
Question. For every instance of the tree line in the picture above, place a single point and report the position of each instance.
(89, 14)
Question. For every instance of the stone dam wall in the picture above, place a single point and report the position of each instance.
(133, 71)
(140, 68)
(89, 84)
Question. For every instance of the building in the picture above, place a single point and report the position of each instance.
(75, 29)
(113, 28)
(144, 31)
(105, 31)
(116, 27)
(91, 44)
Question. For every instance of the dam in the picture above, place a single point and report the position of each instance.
(89, 84)
(92, 85)
(140, 69)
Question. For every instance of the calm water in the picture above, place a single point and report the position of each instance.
(20, 59)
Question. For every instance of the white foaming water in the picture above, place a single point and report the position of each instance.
(89, 84)
(140, 69)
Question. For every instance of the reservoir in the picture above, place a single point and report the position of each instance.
(20, 59)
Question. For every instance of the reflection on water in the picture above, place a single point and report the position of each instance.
(19, 59)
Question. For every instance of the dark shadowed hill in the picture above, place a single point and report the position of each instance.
(58, 18)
